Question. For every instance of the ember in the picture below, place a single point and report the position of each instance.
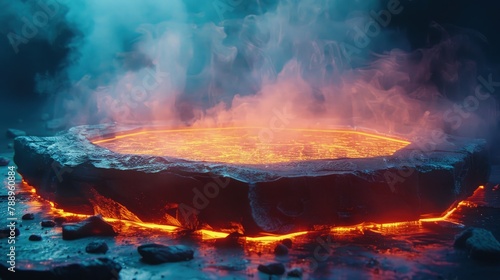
(245, 145)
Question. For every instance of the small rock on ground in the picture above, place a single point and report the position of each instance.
(28, 216)
(35, 237)
(272, 268)
(48, 223)
(157, 253)
(97, 247)
(92, 226)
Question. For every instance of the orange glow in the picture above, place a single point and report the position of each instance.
(205, 234)
(445, 217)
(266, 238)
(253, 145)
(271, 238)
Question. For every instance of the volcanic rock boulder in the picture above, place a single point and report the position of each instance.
(480, 243)
(92, 226)
(28, 216)
(422, 178)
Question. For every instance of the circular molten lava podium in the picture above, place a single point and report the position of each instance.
(251, 178)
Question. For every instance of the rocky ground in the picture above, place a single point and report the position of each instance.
(409, 251)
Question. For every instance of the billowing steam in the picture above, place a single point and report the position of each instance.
(291, 63)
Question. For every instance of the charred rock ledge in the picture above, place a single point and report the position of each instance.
(421, 178)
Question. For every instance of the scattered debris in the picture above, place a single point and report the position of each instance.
(480, 243)
(272, 268)
(157, 253)
(97, 247)
(92, 226)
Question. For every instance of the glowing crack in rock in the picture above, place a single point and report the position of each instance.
(244, 145)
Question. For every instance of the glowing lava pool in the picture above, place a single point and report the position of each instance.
(243, 179)
(244, 145)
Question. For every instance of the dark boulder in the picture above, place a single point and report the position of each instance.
(92, 226)
(28, 216)
(157, 253)
(480, 243)
(281, 250)
(48, 223)
(97, 247)
(35, 237)
(272, 268)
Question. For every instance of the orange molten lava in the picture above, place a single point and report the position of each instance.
(270, 238)
(250, 145)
